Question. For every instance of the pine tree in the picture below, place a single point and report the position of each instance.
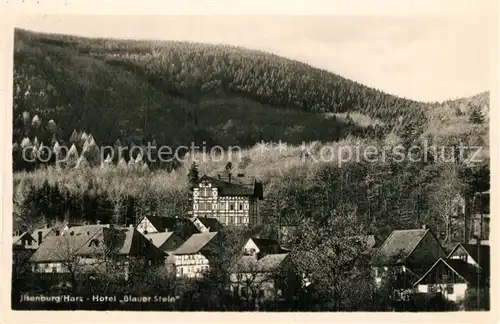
(36, 122)
(72, 157)
(122, 164)
(82, 163)
(51, 126)
(74, 138)
(476, 116)
(193, 175)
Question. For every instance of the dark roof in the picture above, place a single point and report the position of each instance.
(17, 238)
(483, 258)
(465, 270)
(163, 224)
(399, 245)
(266, 245)
(212, 224)
(246, 186)
(195, 243)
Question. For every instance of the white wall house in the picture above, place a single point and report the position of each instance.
(191, 258)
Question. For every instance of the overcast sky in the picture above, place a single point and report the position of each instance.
(430, 59)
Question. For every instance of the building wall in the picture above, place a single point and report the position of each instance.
(228, 210)
(145, 226)
(49, 267)
(457, 295)
(250, 248)
(191, 265)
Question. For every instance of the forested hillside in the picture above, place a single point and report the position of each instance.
(180, 92)
(90, 92)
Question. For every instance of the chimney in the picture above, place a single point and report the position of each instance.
(229, 176)
(424, 226)
(98, 222)
(40, 237)
(218, 176)
(47, 226)
(130, 225)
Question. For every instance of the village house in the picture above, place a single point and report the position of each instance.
(265, 279)
(24, 241)
(85, 247)
(404, 256)
(230, 200)
(192, 258)
(23, 246)
(259, 247)
(464, 272)
(182, 226)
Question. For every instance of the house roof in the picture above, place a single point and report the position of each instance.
(246, 186)
(158, 239)
(482, 257)
(399, 245)
(266, 245)
(268, 263)
(58, 248)
(195, 243)
(45, 232)
(17, 238)
(212, 224)
(122, 241)
(163, 224)
(84, 229)
(466, 271)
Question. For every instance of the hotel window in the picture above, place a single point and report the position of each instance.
(449, 289)
(241, 206)
(231, 206)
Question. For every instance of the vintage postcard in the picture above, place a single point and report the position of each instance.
(331, 163)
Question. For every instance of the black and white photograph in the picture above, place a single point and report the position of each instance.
(248, 163)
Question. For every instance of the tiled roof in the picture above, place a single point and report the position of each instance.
(84, 229)
(58, 248)
(195, 243)
(158, 239)
(237, 187)
(399, 245)
(117, 240)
